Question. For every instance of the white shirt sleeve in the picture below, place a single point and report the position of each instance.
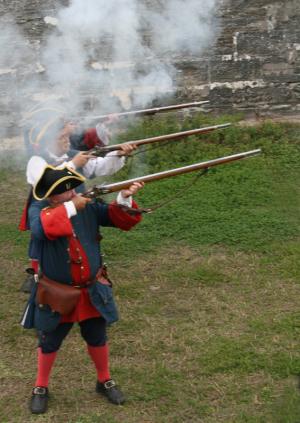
(124, 201)
(102, 166)
(71, 209)
(35, 169)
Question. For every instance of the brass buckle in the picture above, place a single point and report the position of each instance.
(109, 384)
(39, 390)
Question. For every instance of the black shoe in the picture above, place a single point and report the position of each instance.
(39, 400)
(110, 390)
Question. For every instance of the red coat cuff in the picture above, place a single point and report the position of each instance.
(121, 219)
(91, 138)
(56, 223)
(23, 225)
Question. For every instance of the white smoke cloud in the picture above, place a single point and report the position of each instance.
(141, 69)
(15, 50)
(115, 54)
(14, 47)
(106, 32)
(183, 25)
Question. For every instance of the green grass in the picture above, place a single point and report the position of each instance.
(250, 205)
(208, 291)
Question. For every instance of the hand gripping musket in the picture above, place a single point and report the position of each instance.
(101, 151)
(99, 190)
(148, 112)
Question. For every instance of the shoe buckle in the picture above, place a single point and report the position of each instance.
(109, 384)
(39, 390)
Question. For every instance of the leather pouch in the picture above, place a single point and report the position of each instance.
(59, 297)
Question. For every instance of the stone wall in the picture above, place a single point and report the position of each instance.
(253, 67)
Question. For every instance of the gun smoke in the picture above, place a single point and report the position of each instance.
(105, 56)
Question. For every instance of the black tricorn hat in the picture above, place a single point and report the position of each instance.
(56, 181)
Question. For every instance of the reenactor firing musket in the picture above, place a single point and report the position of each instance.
(148, 112)
(98, 190)
(100, 151)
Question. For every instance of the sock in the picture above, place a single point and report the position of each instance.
(99, 355)
(45, 363)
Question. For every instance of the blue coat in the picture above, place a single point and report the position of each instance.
(54, 260)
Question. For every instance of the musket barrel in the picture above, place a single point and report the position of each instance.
(167, 137)
(177, 135)
(151, 111)
(118, 186)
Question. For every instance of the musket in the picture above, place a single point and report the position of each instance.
(99, 190)
(153, 111)
(99, 151)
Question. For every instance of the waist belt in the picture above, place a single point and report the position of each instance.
(84, 285)
(101, 276)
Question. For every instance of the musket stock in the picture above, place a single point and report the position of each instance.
(118, 186)
(100, 151)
